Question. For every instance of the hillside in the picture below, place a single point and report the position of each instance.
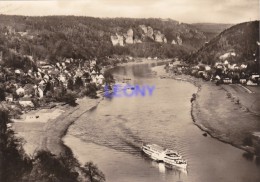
(56, 37)
(237, 44)
(211, 29)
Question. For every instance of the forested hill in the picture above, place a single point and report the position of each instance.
(211, 29)
(55, 37)
(238, 44)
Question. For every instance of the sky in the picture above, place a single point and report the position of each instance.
(188, 11)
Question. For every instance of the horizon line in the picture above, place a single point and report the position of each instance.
(69, 15)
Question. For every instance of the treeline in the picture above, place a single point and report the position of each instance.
(53, 37)
(16, 166)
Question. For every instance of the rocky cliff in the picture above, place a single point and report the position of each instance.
(147, 32)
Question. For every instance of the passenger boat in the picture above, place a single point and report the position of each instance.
(160, 154)
(154, 151)
(172, 155)
(181, 163)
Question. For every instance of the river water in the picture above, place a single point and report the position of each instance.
(111, 135)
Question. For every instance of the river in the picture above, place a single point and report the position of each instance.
(111, 136)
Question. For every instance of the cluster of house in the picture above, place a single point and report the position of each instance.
(222, 72)
(48, 76)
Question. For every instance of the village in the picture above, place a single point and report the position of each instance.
(45, 84)
(222, 72)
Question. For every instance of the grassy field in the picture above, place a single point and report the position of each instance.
(223, 111)
(249, 100)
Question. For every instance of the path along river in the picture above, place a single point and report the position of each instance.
(111, 136)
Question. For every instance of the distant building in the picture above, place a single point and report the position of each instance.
(227, 80)
(26, 102)
(9, 98)
(20, 91)
(242, 81)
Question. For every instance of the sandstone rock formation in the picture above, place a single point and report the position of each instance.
(150, 32)
(164, 40)
(144, 28)
(129, 37)
(137, 40)
(179, 40)
(117, 40)
(159, 37)
(173, 42)
(146, 32)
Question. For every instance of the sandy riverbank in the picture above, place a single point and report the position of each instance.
(43, 129)
(218, 113)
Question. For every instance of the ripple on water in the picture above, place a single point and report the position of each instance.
(112, 136)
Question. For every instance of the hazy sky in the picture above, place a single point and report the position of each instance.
(189, 11)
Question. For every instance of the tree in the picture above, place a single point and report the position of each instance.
(48, 167)
(91, 90)
(92, 173)
(13, 161)
(108, 77)
(70, 98)
(70, 84)
(2, 93)
(78, 83)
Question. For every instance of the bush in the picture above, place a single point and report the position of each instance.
(69, 98)
(48, 167)
(248, 141)
(91, 90)
(92, 172)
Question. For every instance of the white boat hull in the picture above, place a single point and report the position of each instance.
(169, 157)
(155, 155)
(173, 162)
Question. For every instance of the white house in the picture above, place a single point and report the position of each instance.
(62, 78)
(20, 91)
(100, 79)
(243, 66)
(227, 80)
(207, 68)
(9, 98)
(26, 102)
(17, 71)
(242, 81)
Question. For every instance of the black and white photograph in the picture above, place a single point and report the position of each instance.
(129, 91)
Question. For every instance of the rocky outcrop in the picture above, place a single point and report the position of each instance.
(159, 37)
(144, 28)
(150, 32)
(164, 40)
(117, 40)
(129, 37)
(173, 42)
(179, 40)
(137, 40)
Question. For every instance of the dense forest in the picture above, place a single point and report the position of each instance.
(242, 40)
(55, 37)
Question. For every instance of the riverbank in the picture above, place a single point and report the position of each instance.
(222, 114)
(43, 129)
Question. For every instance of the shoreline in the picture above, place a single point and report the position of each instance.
(202, 117)
(39, 133)
(48, 135)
